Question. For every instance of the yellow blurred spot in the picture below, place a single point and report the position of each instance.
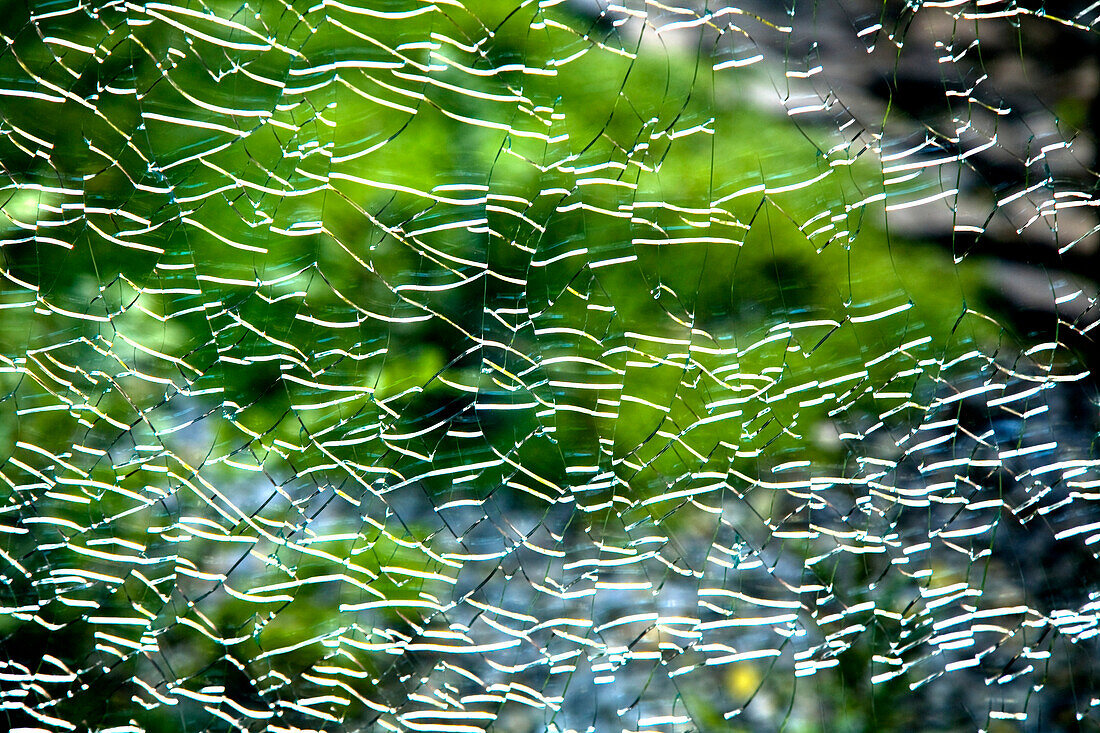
(742, 679)
(944, 575)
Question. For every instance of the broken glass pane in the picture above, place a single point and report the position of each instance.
(548, 366)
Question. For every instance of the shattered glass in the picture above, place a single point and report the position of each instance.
(549, 366)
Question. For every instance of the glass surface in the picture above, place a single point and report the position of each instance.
(548, 366)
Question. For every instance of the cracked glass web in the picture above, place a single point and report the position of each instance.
(548, 366)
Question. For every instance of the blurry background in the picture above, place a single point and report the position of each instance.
(548, 366)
